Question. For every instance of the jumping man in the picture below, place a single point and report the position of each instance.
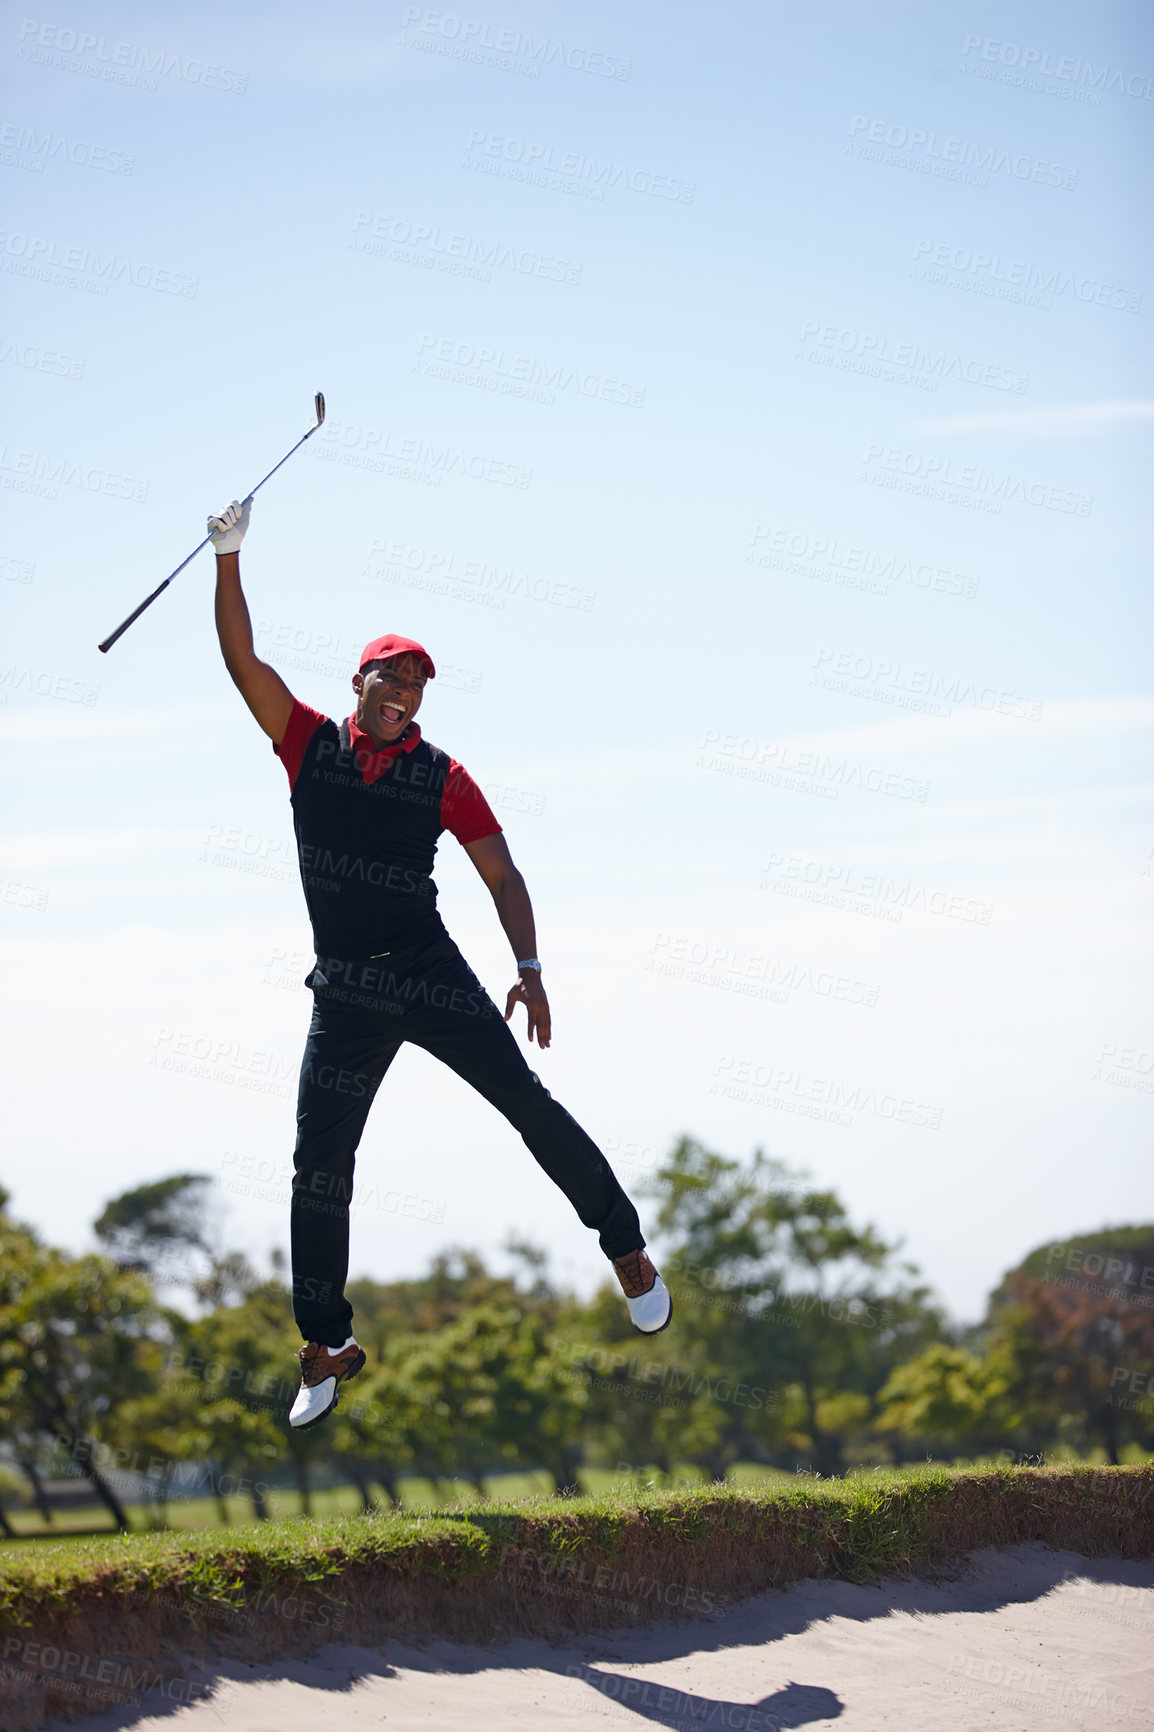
(370, 798)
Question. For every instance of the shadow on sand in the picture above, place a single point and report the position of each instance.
(987, 1582)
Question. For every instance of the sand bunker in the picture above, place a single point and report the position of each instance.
(1020, 1640)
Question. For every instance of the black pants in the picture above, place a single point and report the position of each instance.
(362, 1012)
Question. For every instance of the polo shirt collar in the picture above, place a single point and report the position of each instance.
(372, 763)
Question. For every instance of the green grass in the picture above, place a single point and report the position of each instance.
(853, 1527)
(536, 1565)
(419, 1496)
(187, 1515)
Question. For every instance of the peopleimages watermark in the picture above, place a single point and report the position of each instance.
(308, 651)
(13, 570)
(473, 580)
(128, 63)
(739, 970)
(411, 458)
(1126, 1067)
(644, 1700)
(24, 147)
(286, 968)
(912, 147)
(112, 1681)
(459, 255)
(1029, 285)
(508, 50)
(903, 363)
(74, 267)
(270, 1181)
(870, 893)
(1121, 1271)
(1068, 69)
(208, 1058)
(46, 683)
(616, 1370)
(36, 359)
(17, 895)
(849, 566)
(248, 851)
(706, 1286)
(787, 1089)
(328, 654)
(1140, 1383)
(572, 171)
(1034, 1693)
(524, 800)
(912, 688)
(1133, 1602)
(966, 483)
(491, 369)
(158, 1475)
(782, 765)
(34, 472)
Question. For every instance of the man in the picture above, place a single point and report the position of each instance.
(370, 797)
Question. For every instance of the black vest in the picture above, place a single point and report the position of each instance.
(366, 849)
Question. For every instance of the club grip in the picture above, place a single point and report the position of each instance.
(135, 614)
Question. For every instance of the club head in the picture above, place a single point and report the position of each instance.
(320, 407)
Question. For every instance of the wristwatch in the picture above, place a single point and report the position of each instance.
(531, 962)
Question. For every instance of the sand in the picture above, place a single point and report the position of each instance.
(1018, 1641)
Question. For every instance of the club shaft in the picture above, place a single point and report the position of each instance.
(149, 599)
(161, 587)
(277, 466)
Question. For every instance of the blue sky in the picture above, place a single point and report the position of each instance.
(751, 412)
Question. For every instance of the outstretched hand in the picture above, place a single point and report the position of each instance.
(527, 990)
(228, 527)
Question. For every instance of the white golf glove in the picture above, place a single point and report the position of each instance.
(227, 527)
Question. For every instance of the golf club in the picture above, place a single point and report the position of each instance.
(148, 600)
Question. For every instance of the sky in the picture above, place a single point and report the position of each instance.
(750, 409)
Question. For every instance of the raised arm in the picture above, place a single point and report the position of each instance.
(506, 886)
(259, 685)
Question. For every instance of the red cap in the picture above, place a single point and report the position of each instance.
(382, 648)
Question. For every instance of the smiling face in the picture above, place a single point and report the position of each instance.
(388, 697)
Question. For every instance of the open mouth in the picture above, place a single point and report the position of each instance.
(390, 714)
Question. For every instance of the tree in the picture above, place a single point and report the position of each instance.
(374, 1426)
(1073, 1324)
(155, 1228)
(77, 1338)
(486, 1397)
(240, 1364)
(1072, 1357)
(950, 1401)
(649, 1403)
(778, 1289)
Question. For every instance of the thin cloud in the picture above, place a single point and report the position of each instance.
(1061, 421)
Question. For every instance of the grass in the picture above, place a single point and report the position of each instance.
(102, 1607)
(418, 1496)
(852, 1527)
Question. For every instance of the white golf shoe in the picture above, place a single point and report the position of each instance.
(322, 1370)
(648, 1298)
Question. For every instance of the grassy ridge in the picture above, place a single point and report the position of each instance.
(540, 1567)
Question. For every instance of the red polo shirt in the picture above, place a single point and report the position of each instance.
(465, 812)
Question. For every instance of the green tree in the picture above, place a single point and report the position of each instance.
(156, 1228)
(488, 1397)
(78, 1337)
(778, 1289)
(374, 1427)
(239, 1362)
(950, 1402)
